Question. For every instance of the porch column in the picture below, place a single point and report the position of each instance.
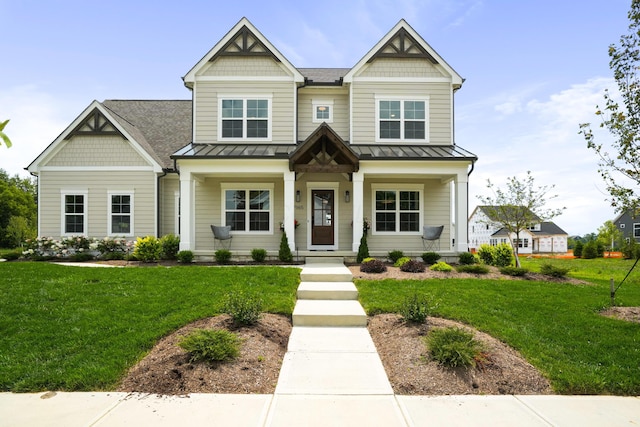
(186, 211)
(357, 202)
(461, 212)
(289, 208)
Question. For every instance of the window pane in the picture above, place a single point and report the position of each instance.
(409, 221)
(409, 200)
(234, 200)
(390, 110)
(385, 200)
(385, 221)
(414, 130)
(236, 220)
(322, 112)
(414, 110)
(259, 221)
(74, 204)
(121, 224)
(259, 200)
(232, 128)
(257, 128)
(232, 108)
(258, 108)
(74, 224)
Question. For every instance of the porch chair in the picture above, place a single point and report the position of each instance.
(223, 234)
(431, 237)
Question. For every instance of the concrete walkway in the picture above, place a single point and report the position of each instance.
(331, 376)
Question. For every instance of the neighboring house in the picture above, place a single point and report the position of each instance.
(629, 226)
(263, 143)
(540, 237)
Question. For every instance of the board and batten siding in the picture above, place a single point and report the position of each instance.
(282, 95)
(91, 151)
(97, 185)
(340, 100)
(364, 108)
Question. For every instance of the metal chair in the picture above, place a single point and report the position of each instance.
(431, 237)
(223, 234)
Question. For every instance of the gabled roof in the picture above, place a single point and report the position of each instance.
(491, 211)
(547, 228)
(324, 151)
(243, 39)
(404, 42)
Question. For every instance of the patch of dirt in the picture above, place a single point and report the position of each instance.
(629, 314)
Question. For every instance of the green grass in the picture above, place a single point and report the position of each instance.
(73, 328)
(555, 326)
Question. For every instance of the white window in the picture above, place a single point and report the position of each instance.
(636, 230)
(397, 210)
(74, 213)
(120, 213)
(244, 118)
(248, 208)
(322, 111)
(402, 120)
(522, 243)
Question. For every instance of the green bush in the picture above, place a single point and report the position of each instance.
(553, 271)
(401, 261)
(413, 266)
(441, 266)
(430, 257)
(631, 249)
(395, 255)
(11, 256)
(473, 268)
(367, 259)
(453, 347)
(17, 231)
(147, 249)
(170, 246)
(363, 249)
(81, 257)
(244, 309)
(577, 250)
(513, 271)
(503, 255)
(415, 309)
(467, 258)
(373, 266)
(590, 250)
(211, 345)
(185, 257)
(223, 256)
(258, 255)
(284, 254)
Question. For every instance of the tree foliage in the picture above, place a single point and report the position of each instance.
(3, 136)
(609, 235)
(17, 200)
(518, 207)
(621, 118)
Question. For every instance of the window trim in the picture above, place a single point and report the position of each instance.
(402, 139)
(244, 186)
(245, 98)
(397, 188)
(129, 193)
(63, 214)
(636, 230)
(315, 103)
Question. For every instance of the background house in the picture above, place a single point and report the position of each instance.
(629, 225)
(539, 237)
(321, 151)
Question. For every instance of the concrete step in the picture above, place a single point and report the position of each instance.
(329, 313)
(324, 260)
(327, 291)
(325, 272)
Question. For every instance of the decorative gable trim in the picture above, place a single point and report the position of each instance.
(402, 45)
(324, 152)
(95, 123)
(244, 43)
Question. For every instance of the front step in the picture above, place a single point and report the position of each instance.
(325, 272)
(329, 313)
(327, 291)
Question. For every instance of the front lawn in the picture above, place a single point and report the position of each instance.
(556, 326)
(79, 328)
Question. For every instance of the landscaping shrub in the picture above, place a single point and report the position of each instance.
(453, 347)
(373, 266)
(363, 249)
(503, 255)
(223, 256)
(631, 249)
(513, 271)
(113, 248)
(395, 255)
(590, 250)
(170, 246)
(553, 271)
(258, 254)
(473, 268)
(413, 266)
(467, 258)
(415, 309)
(441, 266)
(486, 253)
(577, 249)
(147, 249)
(401, 261)
(244, 309)
(430, 257)
(185, 257)
(11, 256)
(284, 254)
(367, 259)
(81, 257)
(211, 345)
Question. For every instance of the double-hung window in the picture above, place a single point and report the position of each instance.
(74, 213)
(636, 230)
(398, 210)
(402, 120)
(248, 208)
(245, 118)
(121, 213)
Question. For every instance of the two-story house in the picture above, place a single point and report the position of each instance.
(629, 225)
(539, 237)
(263, 145)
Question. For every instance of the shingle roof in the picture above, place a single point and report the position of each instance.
(161, 127)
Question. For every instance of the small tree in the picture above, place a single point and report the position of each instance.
(363, 249)
(610, 235)
(284, 254)
(518, 207)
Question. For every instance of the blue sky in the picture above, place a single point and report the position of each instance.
(534, 70)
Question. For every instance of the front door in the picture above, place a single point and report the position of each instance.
(322, 217)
